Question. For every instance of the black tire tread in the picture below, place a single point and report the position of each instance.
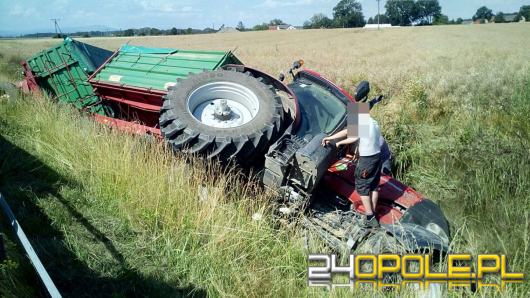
(187, 136)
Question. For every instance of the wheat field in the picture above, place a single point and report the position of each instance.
(122, 213)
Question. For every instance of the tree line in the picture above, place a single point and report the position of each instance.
(485, 14)
(156, 31)
(147, 31)
(348, 13)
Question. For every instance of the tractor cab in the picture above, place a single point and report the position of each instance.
(319, 181)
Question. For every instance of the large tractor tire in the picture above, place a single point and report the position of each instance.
(222, 114)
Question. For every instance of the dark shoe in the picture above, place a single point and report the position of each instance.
(371, 224)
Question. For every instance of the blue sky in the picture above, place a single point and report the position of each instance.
(25, 16)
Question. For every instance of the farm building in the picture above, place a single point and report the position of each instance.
(511, 17)
(283, 27)
(376, 26)
(508, 18)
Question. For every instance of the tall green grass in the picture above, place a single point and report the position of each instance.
(183, 223)
(473, 157)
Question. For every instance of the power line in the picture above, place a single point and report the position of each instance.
(378, 15)
(57, 28)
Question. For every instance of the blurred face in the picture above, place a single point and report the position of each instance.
(358, 119)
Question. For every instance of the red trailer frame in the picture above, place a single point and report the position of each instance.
(139, 108)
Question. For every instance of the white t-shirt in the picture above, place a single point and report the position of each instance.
(369, 136)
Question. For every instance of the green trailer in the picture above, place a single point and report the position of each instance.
(62, 71)
(134, 80)
(158, 68)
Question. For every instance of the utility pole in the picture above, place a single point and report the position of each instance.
(57, 28)
(378, 15)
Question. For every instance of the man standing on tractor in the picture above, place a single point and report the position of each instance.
(368, 169)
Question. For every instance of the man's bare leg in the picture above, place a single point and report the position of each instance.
(375, 197)
(371, 222)
(367, 203)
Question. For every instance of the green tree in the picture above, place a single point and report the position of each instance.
(483, 13)
(189, 31)
(208, 30)
(441, 20)
(154, 31)
(318, 21)
(348, 13)
(427, 10)
(370, 21)
(499, 18)
(128, 32)
(524, 11)
(459, 21)
(401, 12)
(260, 27)
(240, 26)
(383, 19)
(174, 31)
(275, 22)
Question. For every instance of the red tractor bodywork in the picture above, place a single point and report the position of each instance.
(394, 196)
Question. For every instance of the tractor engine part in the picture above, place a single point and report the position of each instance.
(311, 163)
(278, 160)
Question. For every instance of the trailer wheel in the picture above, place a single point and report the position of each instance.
(222, 114)
(8, 90)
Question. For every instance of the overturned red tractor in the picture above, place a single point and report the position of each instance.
(211, 104)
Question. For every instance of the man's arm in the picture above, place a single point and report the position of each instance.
(339, 135)
(347, 141)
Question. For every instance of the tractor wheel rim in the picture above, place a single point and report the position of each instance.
(223, 104)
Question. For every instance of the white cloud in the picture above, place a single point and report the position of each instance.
(279, 3)
(165, 6)
(158, 6)
(61, 4)
(25, 12)
(186, 9)
(83, 15)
